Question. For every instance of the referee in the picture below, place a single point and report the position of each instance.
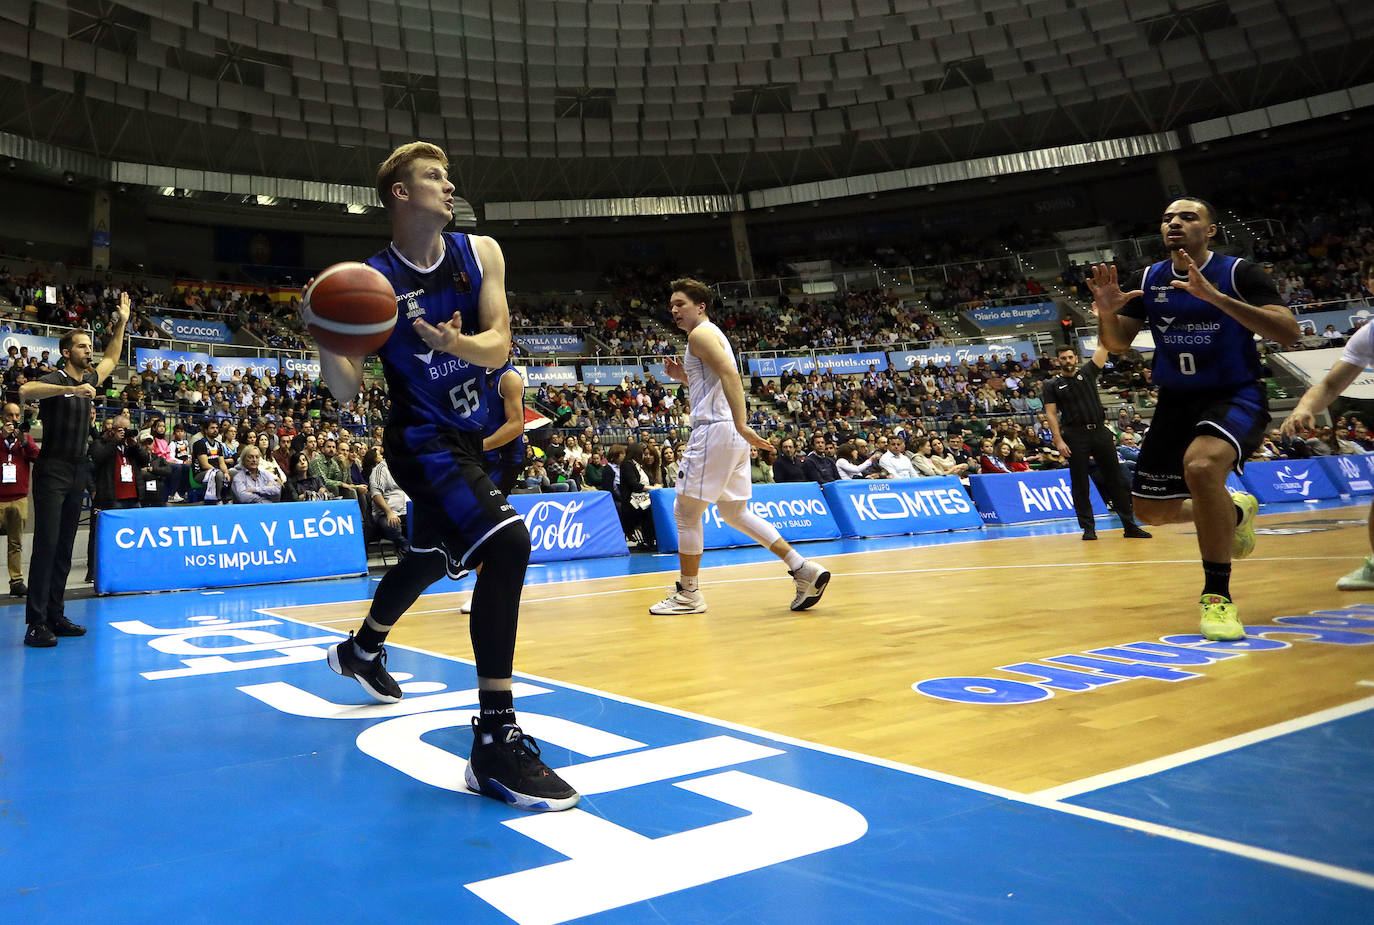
(60, 474)
(1077, 421)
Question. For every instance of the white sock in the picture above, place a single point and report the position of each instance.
(794, 560)
(363, 653)
(688, 584)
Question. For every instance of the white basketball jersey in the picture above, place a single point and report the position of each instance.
(704, 389)
(1359, 350)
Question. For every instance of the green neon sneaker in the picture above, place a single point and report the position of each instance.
(1220, 623)
(1362, 579)
(1243, 542)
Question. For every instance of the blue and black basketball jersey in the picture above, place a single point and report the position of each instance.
(1197, 345)
(509, 455)
(430, 390)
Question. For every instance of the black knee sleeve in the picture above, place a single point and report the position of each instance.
(496, 599)
(402, 584)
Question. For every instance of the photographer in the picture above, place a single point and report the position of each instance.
(116, 458)
(17, 453)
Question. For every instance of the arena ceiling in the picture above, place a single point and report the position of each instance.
(578, 99)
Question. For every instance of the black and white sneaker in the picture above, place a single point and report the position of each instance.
(810, 580)
(509, 769)
(371, 674)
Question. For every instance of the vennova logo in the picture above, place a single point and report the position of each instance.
(553, 525)
(774, 511)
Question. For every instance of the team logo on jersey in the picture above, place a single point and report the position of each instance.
(1167, 322)
(461, 283)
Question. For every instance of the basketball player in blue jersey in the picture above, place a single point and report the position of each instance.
(503, 439)
(453, 325)
(1203, 309)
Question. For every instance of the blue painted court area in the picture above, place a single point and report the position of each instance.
(193, 760)
(1308, 793)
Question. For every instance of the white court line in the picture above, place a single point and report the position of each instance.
(1167, 762)
(1239, 849)
(1365, 683)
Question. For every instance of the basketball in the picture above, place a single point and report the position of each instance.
(350, 309)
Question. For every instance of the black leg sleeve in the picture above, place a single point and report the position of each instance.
(496, 599)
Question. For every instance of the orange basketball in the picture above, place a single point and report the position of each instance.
(350, 309)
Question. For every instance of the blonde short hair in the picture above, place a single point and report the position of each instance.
(396, 167)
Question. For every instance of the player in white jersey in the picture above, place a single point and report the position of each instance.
(1355, 358)
(714, 466)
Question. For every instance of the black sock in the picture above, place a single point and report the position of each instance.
(1217, 578)
(368, 639)
(497, 710)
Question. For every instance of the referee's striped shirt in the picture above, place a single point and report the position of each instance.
(66, 418)
(1076, 396)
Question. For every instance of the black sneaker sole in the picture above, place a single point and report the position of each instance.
(339, 668)
(498, 791)
(821, 581)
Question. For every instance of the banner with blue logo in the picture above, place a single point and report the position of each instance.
(572, 525)
(225, 366)
(994, 316)
(887, 507)
(548, 375)
(1283, 480)
(903, 360)
(846, 363)
(215, 546)
(309, 367)
(660, 373)
(797, 509)
(1342, 321)
(1023, 497)
(611, 375)
(1352, 475)
(209, 332)
(776, 366)
(36, 344)
(550, 343)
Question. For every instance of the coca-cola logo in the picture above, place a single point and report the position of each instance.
(553, 525)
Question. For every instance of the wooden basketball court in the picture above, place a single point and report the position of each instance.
(842, 674)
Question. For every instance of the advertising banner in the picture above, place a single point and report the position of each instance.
(903, 360)
(36, 344)
(887, 507)
(1352, 475)
(610, 375)
(776, 366)
(1288, 480)
(215, 546)
(1342, 321)
(1315, 364)
(573, 525)
(1023, 497)
(797, 509)
(210, 332)
(548, 375)
(660, 373)
(306, 366)
(225, 366)
(844, 363)
(990, 316)
(550, 343)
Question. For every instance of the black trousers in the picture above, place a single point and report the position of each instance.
(58, 487)
(1086, 446)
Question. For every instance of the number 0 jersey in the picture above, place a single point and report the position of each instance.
(1197, 345)
(431, 390)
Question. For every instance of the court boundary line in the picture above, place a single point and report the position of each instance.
(1201, 752)
(1225, 846)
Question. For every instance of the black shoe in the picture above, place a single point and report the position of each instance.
(371, 674)
(64, 627)
(509, 769)
(89, 579)
(39, 636)
(1134, 532)
(19, 589)
(1090, 533)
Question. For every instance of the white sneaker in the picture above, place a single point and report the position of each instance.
(810, 579)
(1362, 579)
(681, 601)
(467, 606)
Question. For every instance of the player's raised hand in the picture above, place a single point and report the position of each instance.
(675, 369)
(1106, 289)
(124, 307)
(1196, 284)
(1298, 421)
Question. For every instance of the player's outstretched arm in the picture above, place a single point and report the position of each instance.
(1114, 332)
(1320, 396)
(511, 388)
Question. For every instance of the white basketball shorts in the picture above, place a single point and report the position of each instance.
(715, 464)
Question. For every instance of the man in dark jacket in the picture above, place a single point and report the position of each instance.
(819, 465)
(116, 458)
(787, 467)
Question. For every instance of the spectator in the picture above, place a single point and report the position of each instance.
(301, 485)
(760, 468)
(848, 465)
(17, 453)
(633, 491)
(537, 479)
(819, 464)
(594, 475)
(269, 462)
(211, 467)
(252, 484)
(787, 468)
(989, 462)
(669, 460)
(895, 463)
(329, 468)
(116, 458)
(389, 501)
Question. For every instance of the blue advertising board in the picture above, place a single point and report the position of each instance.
(1352, 475)
(1022, 497)
(846, 363)
(797, 509)
(903, 360)
(1316, 322)
(550, 343)
(1288, 480)
(610, 375)
(659, 371)
(225, 366)
(308, 367)
(36, 344)
(776, 366)
(571, 525)
(214, 546)
(887, 507)
(994, 316)
(548, 375)
(210, 332)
